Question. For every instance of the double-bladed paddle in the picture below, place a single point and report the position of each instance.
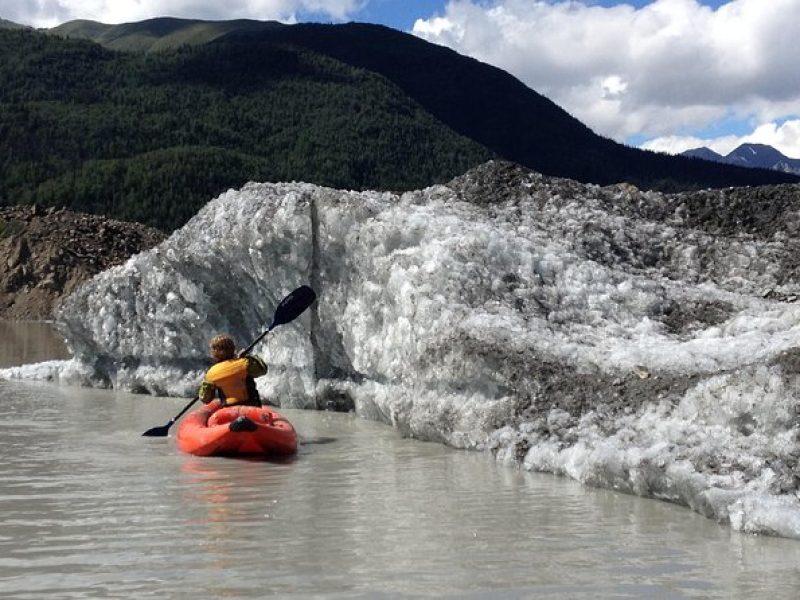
(291, 307)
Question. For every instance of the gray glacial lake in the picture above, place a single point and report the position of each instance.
(90, 509)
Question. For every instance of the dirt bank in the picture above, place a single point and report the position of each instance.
(46, 253)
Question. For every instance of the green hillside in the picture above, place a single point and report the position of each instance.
(152, 137)
(4, 24)
(476, 100)
(155, 35)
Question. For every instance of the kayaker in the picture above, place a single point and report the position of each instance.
(231, 379)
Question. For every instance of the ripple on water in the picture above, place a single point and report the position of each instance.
(91, 509)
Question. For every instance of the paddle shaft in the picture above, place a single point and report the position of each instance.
(180, 414)
(247, 350)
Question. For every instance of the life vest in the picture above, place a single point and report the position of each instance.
(230, 377)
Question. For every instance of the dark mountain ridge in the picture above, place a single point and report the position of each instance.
(476, 100)
(704, 153)
(154, 35)
(498, 111)
(5, 24)
(754, 156)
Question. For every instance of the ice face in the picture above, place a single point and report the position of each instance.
(617, 337)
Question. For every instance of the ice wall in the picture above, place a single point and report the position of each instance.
(631, 340)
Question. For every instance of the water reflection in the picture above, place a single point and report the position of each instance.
(29, 342)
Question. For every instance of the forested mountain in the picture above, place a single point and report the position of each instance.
(476, 100)
(147, 121)
(4, 24)
(152, 137)
(154, 35)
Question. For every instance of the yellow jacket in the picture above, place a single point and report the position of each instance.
(233, 381)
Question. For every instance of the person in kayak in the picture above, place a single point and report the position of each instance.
(231, 379)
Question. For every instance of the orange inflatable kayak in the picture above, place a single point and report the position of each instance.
(235, 431)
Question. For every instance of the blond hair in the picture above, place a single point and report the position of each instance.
(222, 347)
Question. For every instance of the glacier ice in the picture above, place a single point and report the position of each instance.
(622, 338)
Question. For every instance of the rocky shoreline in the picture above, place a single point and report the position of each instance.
(45, 254)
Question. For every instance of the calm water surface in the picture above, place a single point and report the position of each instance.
(90, 509)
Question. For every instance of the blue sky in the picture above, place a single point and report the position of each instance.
(662, 74)
(399, 15)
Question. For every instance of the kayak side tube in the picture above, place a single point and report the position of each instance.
(236, 431)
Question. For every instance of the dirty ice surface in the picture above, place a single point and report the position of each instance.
(627, 339)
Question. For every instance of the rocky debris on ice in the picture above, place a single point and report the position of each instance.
(628, 339)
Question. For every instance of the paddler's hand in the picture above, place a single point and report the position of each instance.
(213, 403)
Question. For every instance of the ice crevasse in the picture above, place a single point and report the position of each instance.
(619, 337)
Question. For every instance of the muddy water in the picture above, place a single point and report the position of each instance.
(29, 342)
(90, 509)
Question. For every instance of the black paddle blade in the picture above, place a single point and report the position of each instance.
(293, 305)
(162, 431)
(157, 431)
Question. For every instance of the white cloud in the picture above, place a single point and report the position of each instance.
(784, 137)
(614, 86)
(47, 13)
(675, 144)
(670, 66)
(435, 27)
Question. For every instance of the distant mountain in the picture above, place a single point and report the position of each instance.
(754, 156)
(157, 34)
(761, 156)
(4, 24)
(705, 154)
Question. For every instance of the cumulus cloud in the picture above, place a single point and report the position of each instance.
(667, 67)
(47, 13)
